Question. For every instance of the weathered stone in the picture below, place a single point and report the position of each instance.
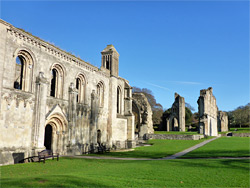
(222, 121)
(143, 115)
(174, 137)
(80, 104)
(176, 120)
(207, 112)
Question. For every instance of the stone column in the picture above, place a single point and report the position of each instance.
(2, 58)
(39, 112)
(130, 117)
(94, 118)
(167, 120)
(72, 114)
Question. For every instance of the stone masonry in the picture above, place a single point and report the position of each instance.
(222, 121)
(143, 115)
(50, 99)
(176, 120)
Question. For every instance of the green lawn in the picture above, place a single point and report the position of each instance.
(223, 147)
(240, 130)
(120, 173)
(159, 149)
(175, 132)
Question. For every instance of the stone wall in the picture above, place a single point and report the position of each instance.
(222, 121)
(176, 120)
(236, 134)
(82, 103)
(173, 137)
(143, 115)
(207, 112)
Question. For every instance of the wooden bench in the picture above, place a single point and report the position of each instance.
(45, 154)
(102, 148)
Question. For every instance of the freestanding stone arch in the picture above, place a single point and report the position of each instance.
(176, 120)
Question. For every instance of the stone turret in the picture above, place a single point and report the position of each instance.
(110, 60)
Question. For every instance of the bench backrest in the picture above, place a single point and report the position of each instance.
(45, 153)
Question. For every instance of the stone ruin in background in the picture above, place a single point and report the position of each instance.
(176, 120)
(210, 119)
(222, 121)
(143, 115)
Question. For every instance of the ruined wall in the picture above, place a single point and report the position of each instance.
(83, 101)
(176, 120)
(207, 112)
(143, 113)
(222, 121)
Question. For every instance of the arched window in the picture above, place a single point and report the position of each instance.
(53, 83)
(100, 92)
(18, 74)
(81, 87)
(23, 71)
(56, 83)
(118, 102)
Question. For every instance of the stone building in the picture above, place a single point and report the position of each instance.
(176, 120)
(208, 111)
(222, 121)
(54, 100)
(143, 115)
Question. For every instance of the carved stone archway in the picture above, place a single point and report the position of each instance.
(59, 135)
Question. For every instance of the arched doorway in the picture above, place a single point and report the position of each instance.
(137, 122)
(175, 126)
(48, 137)
(56, 136)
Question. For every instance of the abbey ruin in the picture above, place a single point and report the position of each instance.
(53, 100)
(210, 119)
(176, 120)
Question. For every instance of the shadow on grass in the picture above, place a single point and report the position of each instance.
(52, 181)
(153, 155)
(239, 164)
(216, 153)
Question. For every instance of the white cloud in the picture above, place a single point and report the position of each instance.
(185, 82)
(165, 88)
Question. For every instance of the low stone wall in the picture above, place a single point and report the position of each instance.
(173, 136)
(236, 134)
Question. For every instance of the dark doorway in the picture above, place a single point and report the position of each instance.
(99, 135)
(48, 137)
(18, 157)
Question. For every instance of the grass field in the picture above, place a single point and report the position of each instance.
(224, 147)
(159, 149)
(119, 173)
(240, 130)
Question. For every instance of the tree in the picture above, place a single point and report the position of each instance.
(240, 116)
(188, 116)
(187, 105)
(157, 108)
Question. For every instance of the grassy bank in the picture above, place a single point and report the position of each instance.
(224, 147)
(158, 149)
(119, 173)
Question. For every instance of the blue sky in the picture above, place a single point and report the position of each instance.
(165, 46)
